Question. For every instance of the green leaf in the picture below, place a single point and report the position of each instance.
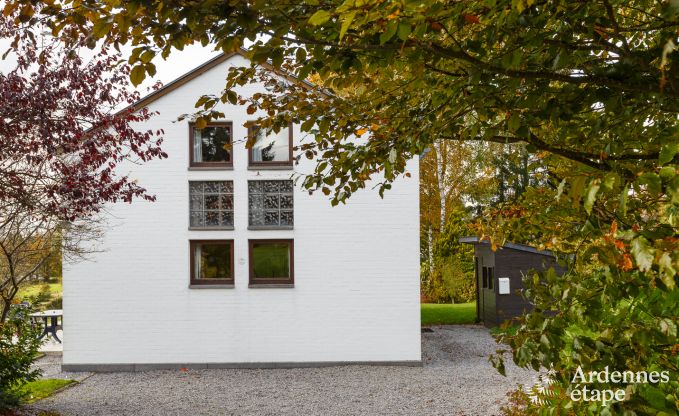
(320, 17)
(559, 190)
(404, 30)
(147, 56)
(673, 189)
(137, 75)
(667, 173)
(232, 97)
(667, 270)
(577, 186)
(347, 23)
(652, 180)
(392, 27)
(668, 327)
(590, 197)
(392, 156)
(101, 28)
(667, 152)
(514, 121)
(623, 199)
(300, 55)
(308, 124)
(643, 253)
(609, 180)
(654, 396)
(519, 5)
(202, 100)
(150, 69)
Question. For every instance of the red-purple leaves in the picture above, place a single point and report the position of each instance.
(60, 138)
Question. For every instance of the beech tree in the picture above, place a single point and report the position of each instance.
(590, 87)
(61, 140)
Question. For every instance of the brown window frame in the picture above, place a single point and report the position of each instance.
(192, 264)
(215, 165)
(254, 282)
(254, 164)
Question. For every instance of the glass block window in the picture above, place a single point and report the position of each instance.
(270, 204)
(211, 204)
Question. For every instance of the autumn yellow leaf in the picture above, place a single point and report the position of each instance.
(201, 123)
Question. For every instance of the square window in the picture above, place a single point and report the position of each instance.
(211, 262)
(491, 277)
(269, 147)
(270, 204)
(271, 262)
(211, 204)
(485, 277)
(211, 146)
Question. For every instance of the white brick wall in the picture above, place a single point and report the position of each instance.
(356, 294)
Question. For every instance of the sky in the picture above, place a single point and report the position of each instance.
(176, 65)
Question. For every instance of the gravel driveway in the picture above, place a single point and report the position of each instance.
(456, 379)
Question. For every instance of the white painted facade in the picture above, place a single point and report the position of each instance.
(356, 266)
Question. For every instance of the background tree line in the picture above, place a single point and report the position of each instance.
(458, 182)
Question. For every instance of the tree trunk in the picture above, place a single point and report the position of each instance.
(441, 175)
(430, 249)
(6, 304)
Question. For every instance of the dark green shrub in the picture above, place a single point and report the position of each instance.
(56, 303)
(43, 296)
(449, 282)
(19, 346)
(53, 279)
(451, 279)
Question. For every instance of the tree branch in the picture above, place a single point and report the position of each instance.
(588, 159)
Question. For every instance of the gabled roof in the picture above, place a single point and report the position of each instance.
(173, 85)
(521, 247)
(200, 70)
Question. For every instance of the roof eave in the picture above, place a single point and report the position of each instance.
(201, 69)
(520, 247)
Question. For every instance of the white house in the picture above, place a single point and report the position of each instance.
(234, 266)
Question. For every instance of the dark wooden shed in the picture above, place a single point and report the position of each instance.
(498, 278)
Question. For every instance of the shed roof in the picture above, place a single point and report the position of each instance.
(521, 247)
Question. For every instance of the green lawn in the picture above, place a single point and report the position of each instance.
(510, 330)
(34, 289)
(448, 314)
(39, 389)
